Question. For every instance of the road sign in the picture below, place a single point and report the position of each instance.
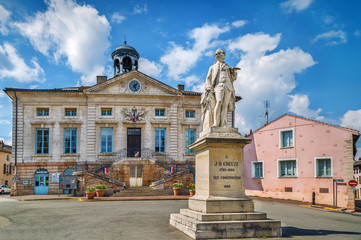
(15, 178)
(338, 180)
(352, 183)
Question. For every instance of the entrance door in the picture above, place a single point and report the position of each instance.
(136, 176)
(41, 182)
(134, 142)
(68, 171)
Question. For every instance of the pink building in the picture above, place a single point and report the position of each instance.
(292, 157)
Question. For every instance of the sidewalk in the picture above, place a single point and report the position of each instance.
(65, 196)
(164, 197)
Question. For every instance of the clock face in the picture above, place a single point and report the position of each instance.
(134, 86)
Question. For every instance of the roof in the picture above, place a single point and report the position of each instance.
(82, 88)
(356, 132)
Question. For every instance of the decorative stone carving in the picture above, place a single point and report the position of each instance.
(133, 115)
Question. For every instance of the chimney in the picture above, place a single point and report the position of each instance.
(180, 87)
(101, 79)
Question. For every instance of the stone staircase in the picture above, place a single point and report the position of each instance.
(141, 191)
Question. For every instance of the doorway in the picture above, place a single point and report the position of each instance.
(136, 176)
(68, 172)
(134, 142)
(41, 182)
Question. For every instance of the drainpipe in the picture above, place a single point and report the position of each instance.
(16, 128)
(16, 140)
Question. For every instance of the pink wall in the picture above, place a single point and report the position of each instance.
(311, 139)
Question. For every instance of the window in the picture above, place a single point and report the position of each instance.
(159, 112)
(70, 140)
(287, 168)
(323, 167)
(286, 138)
(190, 114)
(257, 169)
(160, 140)
(7, 171)
(106, 140)
(42, 141)
(106, 111)
(190, 138)
(7, 182)
(8, 158)
(70, 112)
(43, 112)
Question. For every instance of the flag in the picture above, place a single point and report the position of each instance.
(105, 170)
(136, 154)
(133, 116)
(171, 169)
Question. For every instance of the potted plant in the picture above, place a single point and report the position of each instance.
(90, 192)
(177, 188)
(192, 189)
(100, 190)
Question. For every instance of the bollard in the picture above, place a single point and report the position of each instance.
(313, 198)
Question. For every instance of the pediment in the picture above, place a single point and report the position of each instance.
(120, 85)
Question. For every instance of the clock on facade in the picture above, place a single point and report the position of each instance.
(134, 86)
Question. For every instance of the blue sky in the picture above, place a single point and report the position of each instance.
(301, 55)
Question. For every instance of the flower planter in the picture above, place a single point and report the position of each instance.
(89, 195)
(100, 192)
(177, 191)
(192, 192)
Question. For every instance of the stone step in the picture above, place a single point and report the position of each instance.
(226, 229)
(223, 216)
(140, 191)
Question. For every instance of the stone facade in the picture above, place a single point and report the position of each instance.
(88, 120)
(316, 157)
(5, 164)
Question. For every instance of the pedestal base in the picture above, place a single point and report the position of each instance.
(225, 225)
(214, 204)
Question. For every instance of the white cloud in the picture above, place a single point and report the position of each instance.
(265, 77)
(239, 23)
(332, 37)
(191, 80)
(352, 119)
(295, 5)
(140, 9)
(2, 94)
(150, 68)
(180, 60)
(117, 18)
(357, 33)
(13, 66)
(71, 31)
(300, 104)
(4, 17)
(5, 122)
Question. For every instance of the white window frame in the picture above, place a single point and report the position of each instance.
(281, 138)
(254, 169)
(279, 165)
(320, 158)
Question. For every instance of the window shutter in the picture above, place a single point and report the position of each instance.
(4, 168)
(9, 169)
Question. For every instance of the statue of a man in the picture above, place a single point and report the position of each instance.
(219, 97)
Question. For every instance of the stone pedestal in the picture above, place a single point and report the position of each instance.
(220, 208)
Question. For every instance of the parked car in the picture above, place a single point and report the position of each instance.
(4, 189)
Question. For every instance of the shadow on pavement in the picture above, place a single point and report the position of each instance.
(294, 231)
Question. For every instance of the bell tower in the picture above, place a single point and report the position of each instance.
(125, 59)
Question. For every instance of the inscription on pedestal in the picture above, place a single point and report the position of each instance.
(226, 171)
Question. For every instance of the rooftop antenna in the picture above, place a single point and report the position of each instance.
(125, 39)
(267, 105)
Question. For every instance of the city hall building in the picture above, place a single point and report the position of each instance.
(130, 130)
